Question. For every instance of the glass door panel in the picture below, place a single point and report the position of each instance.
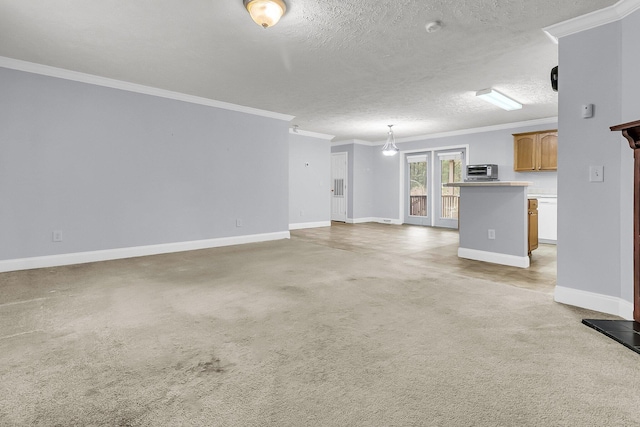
(449, 168)
(417, 205)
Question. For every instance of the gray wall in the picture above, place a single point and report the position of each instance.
(362, 194)
(387, 185)
(503, 209)
(115, 169)
(589, 219)
(309, 186)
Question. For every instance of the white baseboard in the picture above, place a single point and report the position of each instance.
(388, 221)
(137, 251)
(548, 241)
(374, 219)
(302, 225)
(359, 220)
(494, 257)
(592, 301)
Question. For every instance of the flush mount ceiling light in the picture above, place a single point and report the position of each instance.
(498, 99)
(390, 148)
(265, 13)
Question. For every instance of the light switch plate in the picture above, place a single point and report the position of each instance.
(596, 173)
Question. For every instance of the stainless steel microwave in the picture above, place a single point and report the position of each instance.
(482, 173)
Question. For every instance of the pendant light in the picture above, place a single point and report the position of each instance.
(265, 13)
(390, 148)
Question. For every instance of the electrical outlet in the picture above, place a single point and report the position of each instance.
(491, 234)
(301, 213)
(56, 236)
(238, 222)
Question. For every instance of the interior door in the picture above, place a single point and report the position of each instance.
(417, 200)
(339, 187)
(449, 167)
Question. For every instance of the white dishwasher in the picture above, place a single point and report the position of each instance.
(547, 219)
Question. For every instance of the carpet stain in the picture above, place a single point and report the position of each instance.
(294, 290)
(91, 392)
(211, 366)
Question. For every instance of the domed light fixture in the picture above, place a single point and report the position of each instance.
(265, 13)
(390, 148)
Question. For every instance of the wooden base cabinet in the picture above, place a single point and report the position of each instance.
(533, 224)
(535, 151)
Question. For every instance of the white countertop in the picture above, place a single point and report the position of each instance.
(542, 196)
(490, 184)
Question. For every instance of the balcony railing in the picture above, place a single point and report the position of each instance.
(449, 207)
(418, 205)
(449, 204)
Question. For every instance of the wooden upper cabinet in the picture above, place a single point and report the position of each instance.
(524, 149)
(548, 151)
(535, 151)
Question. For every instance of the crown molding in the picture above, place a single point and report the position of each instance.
(591, 20)
(354, 142)
(61, 73)
(545, 121)
(311, 134)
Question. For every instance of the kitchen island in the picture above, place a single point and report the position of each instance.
(493, 222)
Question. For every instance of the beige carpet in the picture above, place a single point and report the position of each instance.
(291, 333)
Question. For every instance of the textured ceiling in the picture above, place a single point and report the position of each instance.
(342, 67)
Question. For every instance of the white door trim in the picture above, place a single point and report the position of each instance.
(340, 217)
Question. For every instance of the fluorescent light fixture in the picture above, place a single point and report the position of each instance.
(498, 99)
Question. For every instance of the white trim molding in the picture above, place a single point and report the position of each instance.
(61, 73)
(388, 221)
(494, 257)
(132, 252)
(354, 142)
(302, 225)
(374, 219)
(591, 20)
(513, 125)
(360, 220)
(592, 301)
(310, 134)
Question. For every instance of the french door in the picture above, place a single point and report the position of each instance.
(427, 201)
(417, 201)
(449, 166)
